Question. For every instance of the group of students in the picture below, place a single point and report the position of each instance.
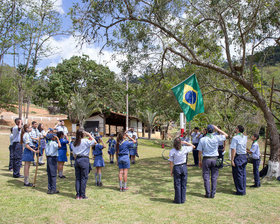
(208, 149)
(28, 141)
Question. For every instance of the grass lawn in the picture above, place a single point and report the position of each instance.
(149, 199)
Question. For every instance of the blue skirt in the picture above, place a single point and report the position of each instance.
(132, 151)
(124, 162)
(111, 151)
(62, 155)
(98, 161)
(28, 155)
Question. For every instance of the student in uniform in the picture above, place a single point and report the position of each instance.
(52, 153)
(111, 148)
(61, 127)
(255, 151)
(98, 160)
(71, 150)
(178, 168)
(122, 151)
(81, 148)
(239, 160)
(221, 149)
(28, 153)
(42, 136)
(195, 139)
(17, 148)
(62, 151)
(35, 136)
(10, 150)
(133, 150)
(208, 148)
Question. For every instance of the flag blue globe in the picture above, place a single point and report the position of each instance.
(190, 97)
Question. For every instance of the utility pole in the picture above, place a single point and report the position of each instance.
(127, 102)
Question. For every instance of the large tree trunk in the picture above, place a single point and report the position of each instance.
(20, 102)
(274, 160)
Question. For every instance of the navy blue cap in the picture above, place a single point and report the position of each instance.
(50, 129)
(50, 136)
(210, 128)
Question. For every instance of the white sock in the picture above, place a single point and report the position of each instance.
(60, 173)
(26, 179)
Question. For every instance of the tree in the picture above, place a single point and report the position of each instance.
(149, 118)
(195, 32)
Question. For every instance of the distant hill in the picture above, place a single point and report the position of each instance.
(269, 56)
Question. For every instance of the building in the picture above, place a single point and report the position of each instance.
(112, 123)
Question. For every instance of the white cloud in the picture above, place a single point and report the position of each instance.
(67, 47)
(57, 5)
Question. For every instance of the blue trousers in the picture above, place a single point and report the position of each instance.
(209, 168)
(52, 172)
(17, 156)
(180, 174)
(195, 154)
(221, 155)
(11, 157)
(81, 172)
(256, 164)
(239, 174)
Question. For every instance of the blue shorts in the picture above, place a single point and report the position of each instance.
(28, 155)
(98, 161)
(132, 151)
(111, 151)
(124, 162)
(62, 155)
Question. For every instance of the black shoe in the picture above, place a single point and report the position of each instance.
(111, 161)
(100, 184)
(49, 192)
(83, 197)
(212, 196)
(34, 164)
(28, 185)
(62, 176)
(54, 192)
(207, 196)
(41, 164)
(20, 176)
(253, 185)
(97, 184)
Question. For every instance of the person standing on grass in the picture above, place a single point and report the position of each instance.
(10, 150)
(62, 151)
(111, 148)
(122, 156)
(178, 168)
(98, 160)
(195, 139)
(35, 134)
(221, 149)
(81, 149)
(52, 153)
(208, 148)
(255, 151)
(42, 135)
(17, 148)
(28, 153)
(239, 160)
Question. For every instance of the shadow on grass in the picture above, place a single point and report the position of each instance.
(149, 177)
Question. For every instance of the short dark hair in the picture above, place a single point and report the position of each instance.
(34, 122)
(177, 143)
(59, 134)
(256, 136)
(196, 128)
(240, 128)
(17, 119)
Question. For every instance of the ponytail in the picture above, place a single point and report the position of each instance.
(119, 139)
(23, 131)
(79, 136)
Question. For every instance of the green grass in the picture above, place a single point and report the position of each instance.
(149, 199)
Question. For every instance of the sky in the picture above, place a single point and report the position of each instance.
(64, 47)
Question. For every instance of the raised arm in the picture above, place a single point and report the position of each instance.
(219, 130)
(188, 144)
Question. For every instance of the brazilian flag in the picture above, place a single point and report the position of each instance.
(189, 97)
